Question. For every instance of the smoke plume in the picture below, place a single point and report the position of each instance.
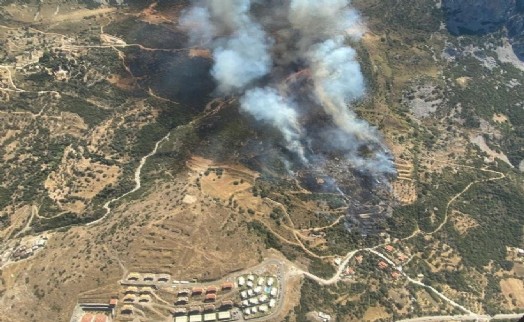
(308, 39)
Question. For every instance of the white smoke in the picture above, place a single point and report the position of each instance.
(240, 45)
(338, 80)
(314, 34)
(197, 23)
(267, 105)
(241, 59)
(321, 20)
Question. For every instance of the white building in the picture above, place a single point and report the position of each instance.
(272, 303)
(241, 281)
(250, 284)
(270, 281)
(251, 277)
(263, 298)
(247, 311)
(250, 293)
(261, 281)
(258, 290)
(253, 301)
(263, 308)
(243, 294)
(224, 315)
(274, 292)
(245, 303)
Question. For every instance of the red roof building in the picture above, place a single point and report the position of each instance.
(395, 275)
(389, 248)
(227, 286)
(210, 298)
(87, 318)
(382, 265)
(197, 291)
(211, 290)
(113, 302)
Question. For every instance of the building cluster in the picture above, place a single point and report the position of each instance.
(258, 294)
(134, 294)
(206, 307)
(147, 278)
(25, 251)
(208, 313)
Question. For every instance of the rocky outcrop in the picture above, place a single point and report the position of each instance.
(486, 16)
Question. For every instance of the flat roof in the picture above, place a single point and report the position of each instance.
(195, 318)
(224, 315)
(181, 318)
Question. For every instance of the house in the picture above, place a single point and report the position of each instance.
(389, 248)
(210, 317)
(227, 286)
(181, 319)
(273, 292)
(382, 265)
(270, 281)
(195, 310)
(395, 275)
(164, 278)
(144, 298)
(179, 311)
(226, 304)
(211, 290)
(133, 277)
(261, 281)
(113, 302)
(126, 310)
(131, 290)
(258, 290)
(149, 278)
(87, 318)
(195, 318)
(262, 298)
(251, 277)
(226, 315)
(197, 291)
(263, 308)
(209, 308)
(182, 301)
(130, 298)
(210, 297)
(184, 292)
(241, 281)
(272, 303)
(146, 290)
(401, 257)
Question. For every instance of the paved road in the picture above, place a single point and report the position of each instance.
(479, 318)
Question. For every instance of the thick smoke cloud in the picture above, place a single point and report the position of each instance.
(309, 35)
(268, 106)
(241, 59)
